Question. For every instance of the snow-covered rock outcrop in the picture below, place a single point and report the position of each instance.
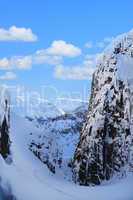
(57, 138)
(4, 123)
(104, 148)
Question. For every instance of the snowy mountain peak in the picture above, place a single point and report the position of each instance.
(120, 53)
(105, 143)
(122, 41)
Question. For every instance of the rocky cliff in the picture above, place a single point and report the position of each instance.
(104, 148)
(4, 123)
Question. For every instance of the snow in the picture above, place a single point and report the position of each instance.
(36, 109)
(27, 178)
(125, 67)
(30, 179)
(124, 58)
(126, 39)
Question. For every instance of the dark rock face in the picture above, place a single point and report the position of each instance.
(4, 125)
(5, 144)
(105, 142)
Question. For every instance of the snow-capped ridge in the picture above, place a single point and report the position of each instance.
(126, 39)
(105, 142)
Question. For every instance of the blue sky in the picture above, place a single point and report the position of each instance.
(81, 28)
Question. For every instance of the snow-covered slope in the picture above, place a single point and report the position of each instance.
(105, 143)
(28, 178)
(53, 141)
(56, 140)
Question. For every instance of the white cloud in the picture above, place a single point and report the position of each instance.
(40, 57)
(8, 76)
(61, 48)
(16, 62)
(21, 62)
(89, 45)
(80, 72)
(84, 71)
(17, 34)
(26, 62)
(73, 73)
(51, 56)
(4, 64)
